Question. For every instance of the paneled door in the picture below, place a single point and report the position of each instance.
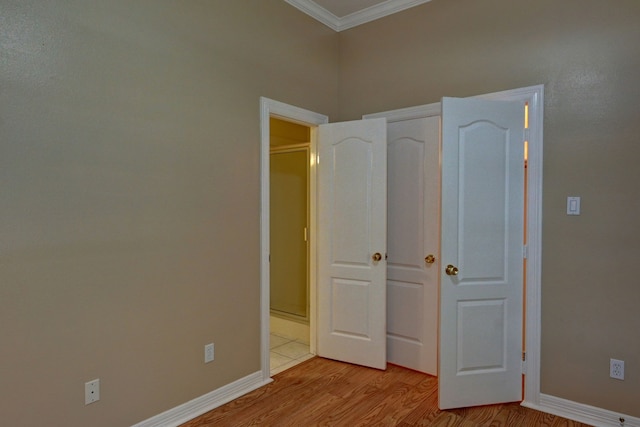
(413, 233)
(352, 173)
(481, 290)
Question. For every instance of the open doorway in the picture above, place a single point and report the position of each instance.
(289, 300)
(271, 109)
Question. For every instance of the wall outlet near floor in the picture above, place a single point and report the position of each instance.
(92, 391)
(616, 369)
(208, 353)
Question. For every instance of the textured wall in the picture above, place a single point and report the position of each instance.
(129, 201)
(586, 53)
(129, 181)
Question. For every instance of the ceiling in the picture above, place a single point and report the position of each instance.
(343, 14)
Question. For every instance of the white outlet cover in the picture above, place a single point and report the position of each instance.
(92, 391)
(616, 369)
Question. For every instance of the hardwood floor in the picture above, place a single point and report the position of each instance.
(322, 392)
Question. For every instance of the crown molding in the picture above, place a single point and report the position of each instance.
(369, 14)
(317, 12)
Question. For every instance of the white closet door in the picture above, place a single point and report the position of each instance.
(413, 209)
(352, 242)
(482, 252)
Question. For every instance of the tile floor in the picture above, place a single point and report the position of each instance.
(286, 352)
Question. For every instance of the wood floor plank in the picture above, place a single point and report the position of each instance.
(408, 403)
(479, 414)
(321, 392)
(427, 410)
(507, 416)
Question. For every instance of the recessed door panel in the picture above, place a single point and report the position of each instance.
(483, 194)
(350, 308)
(406, 180)
(404, 300)
(481, 336)
(352, 205)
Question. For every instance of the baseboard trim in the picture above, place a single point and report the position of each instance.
(587, 414)
(198, 406)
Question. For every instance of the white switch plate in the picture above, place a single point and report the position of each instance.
(573, 205)
(208, 353)
(92, 391)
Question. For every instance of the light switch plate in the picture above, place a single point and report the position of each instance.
(573, 205)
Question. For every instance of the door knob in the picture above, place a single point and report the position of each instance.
(451, 270)
(430, 259)
(377, 256)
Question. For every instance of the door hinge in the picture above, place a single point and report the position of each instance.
(527, 134)
(524, 363)
(525, 251)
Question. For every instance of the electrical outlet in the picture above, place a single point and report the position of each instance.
(616, 369)
(92, 391)
(208, 353)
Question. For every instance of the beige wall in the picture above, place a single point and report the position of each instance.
(129, 171)
(587, 54)
(129, 196)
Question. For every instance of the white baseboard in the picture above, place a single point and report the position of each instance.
(583, 413)
(198, 406)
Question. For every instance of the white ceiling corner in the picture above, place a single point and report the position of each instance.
(344, 14)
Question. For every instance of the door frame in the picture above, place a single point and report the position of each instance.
(534, 96)
(270, 108)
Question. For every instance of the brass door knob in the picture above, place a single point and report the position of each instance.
(376, 257)
(451, 270)
(430, 259)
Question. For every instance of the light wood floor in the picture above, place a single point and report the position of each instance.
(329, 393)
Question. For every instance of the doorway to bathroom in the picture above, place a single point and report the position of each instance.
(289, 196)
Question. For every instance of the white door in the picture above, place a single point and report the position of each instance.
(482, 252)
(352, 173)
(413, 209)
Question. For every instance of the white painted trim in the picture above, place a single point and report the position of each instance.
(377, 11)
(534, 96)
(200, 405)
(369, 14)
(583, 413)
(410, 113)
(270, 108)
(317, 12)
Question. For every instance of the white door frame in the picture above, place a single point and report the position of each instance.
(270, 108)
(534, 96)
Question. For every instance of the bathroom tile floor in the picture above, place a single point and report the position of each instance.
(286, 353)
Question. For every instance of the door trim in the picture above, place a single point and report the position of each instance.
(270, 108)
(534, 96)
